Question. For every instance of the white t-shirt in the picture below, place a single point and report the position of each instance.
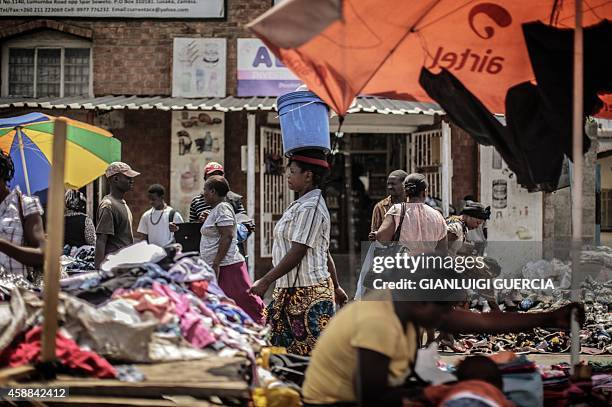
(155, 224)
(220, 215)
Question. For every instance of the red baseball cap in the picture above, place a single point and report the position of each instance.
(213, 167)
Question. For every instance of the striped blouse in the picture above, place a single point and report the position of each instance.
(308, 223)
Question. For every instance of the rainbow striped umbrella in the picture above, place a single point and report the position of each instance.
(29, 141)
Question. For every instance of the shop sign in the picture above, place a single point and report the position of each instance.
(260, 73)
(182, 9)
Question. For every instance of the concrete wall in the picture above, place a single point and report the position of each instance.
(558, 206)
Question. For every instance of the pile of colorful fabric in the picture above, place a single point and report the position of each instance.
(168, 310)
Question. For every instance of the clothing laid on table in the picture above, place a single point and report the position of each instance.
(370, 324)
(115, 221)
(156, 225)
(79, 229)
(220, 216)
(298, 315)
(423, 226)
(306, 221)
(11, 225)
(68, 353)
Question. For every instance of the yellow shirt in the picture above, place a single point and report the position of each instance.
(368, 324)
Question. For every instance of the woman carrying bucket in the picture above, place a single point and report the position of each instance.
(304, 272)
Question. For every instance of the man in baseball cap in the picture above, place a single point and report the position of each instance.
(120, 168)
(114, 220)
(213, 168)
(199, 208)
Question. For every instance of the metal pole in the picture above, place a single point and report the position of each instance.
(350, 209)
(578, 129)
(23, 161)
(251, 189)
(446, 162)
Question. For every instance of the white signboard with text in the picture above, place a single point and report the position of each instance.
(197, 138)
(114, 8)
(198, 67)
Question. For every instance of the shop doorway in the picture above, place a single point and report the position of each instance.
(358, 182)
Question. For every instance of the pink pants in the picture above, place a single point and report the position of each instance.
(234, 280)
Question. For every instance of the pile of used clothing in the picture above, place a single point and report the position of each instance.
(10, 281)
(146, 305)
(78, 259)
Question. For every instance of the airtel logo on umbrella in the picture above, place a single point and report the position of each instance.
(470, 59)
(497, 13)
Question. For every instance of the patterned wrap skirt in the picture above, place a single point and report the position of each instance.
(298, 315)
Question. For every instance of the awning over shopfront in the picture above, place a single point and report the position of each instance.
(363, 104)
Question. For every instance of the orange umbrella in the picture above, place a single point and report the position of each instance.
(343, 48)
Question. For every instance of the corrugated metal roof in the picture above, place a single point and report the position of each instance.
(227, 104)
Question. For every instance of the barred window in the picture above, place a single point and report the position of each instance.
(49, 72)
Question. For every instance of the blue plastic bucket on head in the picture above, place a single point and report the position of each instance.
(304, 120)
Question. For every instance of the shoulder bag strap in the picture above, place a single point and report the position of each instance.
(171, 216)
